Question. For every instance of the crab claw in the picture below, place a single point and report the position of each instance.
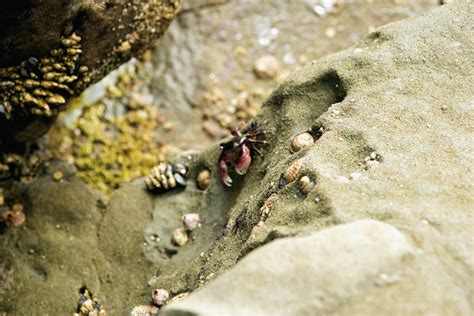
(224, 173)
(243, 161)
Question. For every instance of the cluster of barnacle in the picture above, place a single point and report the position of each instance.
(88, 304)
(22, 167)
(166, 176)
(42, 86)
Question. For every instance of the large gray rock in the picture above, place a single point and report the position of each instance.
(404, 94)
(305, 275)
(396, 114)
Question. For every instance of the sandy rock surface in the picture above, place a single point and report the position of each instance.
(396, 115)
(306, 275)
(392, 169)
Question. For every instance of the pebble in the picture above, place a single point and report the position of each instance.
(203, 179)
(179, 237)
(211, 128)
(168, 126)
(267, 67)
(386, 279)
(58, 175)
(330, 32)
(191, 221)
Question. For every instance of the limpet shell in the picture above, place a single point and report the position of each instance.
(203, 179)
(301, 141)
(305, 184)
(179, 237)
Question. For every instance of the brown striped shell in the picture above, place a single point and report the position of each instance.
(166, 176)
(291, 173)
(265, 209)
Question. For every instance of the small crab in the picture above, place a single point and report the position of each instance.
(237, 154)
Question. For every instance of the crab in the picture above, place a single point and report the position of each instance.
(237, 154)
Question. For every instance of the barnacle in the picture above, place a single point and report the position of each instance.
(166, 176)
(58, 75)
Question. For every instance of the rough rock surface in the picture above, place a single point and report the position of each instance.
(405, 94)
(392, 118)
(111, 31)
(306, 275)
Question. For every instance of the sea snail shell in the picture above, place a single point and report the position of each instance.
(301, 141)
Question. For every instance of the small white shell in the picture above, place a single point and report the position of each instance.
(160, 297)
(191, 221)
(305, 184)
(300, 141)
(179, 237)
